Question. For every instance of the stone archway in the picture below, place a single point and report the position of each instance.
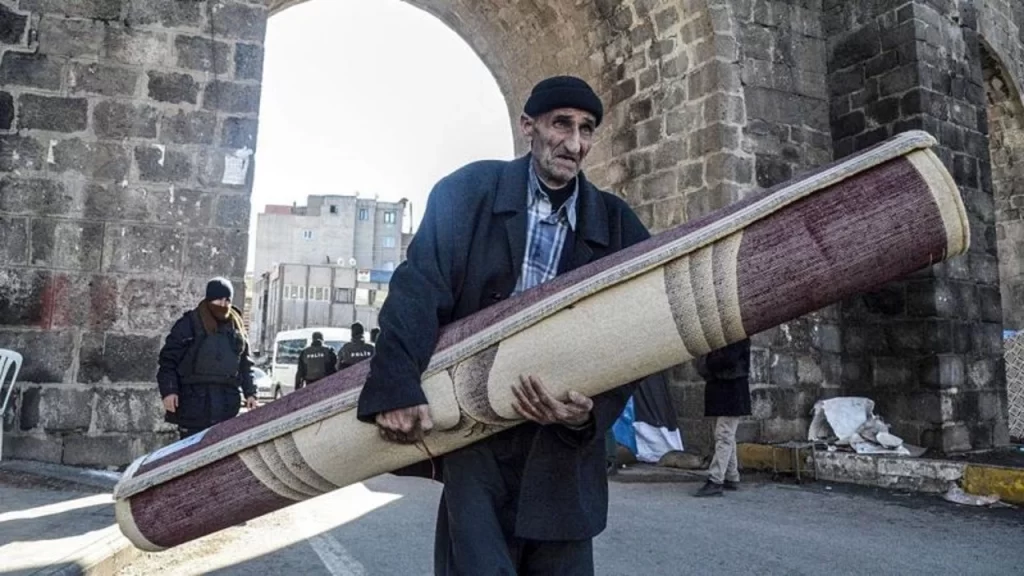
(1006, 142)
(118, 120)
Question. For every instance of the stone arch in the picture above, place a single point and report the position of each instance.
(1006, 144)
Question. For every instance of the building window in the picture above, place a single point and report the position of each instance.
(295, 291)
(343, 295)
(362, 297)
(389, 241)
(302, 292)
(307, 234)
(364, 214)
(389, 216)
(334, 209)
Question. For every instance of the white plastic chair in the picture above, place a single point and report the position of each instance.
(8, 358)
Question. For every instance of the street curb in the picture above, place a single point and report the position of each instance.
(930, 476)
(105, 557)
(1007, 483)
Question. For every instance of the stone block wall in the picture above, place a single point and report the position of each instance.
(927, 349)
(115, 121)
(1002, 31)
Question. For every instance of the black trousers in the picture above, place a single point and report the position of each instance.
(475, 532)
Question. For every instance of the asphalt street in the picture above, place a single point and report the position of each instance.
(385, 527)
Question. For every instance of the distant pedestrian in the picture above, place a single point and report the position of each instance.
(315, 362)
(726, 397)
(204, 362)
(356, 350)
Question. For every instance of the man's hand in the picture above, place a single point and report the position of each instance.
(405, 425)
(251, 403)
(535, 404)
(171, 403)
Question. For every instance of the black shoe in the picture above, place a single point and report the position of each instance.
(709, 489)
(731, 485)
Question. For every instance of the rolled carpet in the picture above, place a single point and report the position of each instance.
(781, 253)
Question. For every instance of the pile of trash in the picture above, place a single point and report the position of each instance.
(851, 422)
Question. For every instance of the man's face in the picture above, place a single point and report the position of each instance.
(559, 140)
(222, 302)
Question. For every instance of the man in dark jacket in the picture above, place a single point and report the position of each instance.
(204, 362)
(315, 362)
(530, 499)
(355, 350)
(726, 397)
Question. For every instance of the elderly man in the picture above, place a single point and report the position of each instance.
(204, 362)
(530, 499)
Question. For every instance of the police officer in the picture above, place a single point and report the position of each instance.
(315, 362)
(204, 362)
(373, 335)
(355, 351)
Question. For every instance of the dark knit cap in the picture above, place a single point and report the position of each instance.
(563, 92)
(219, 288)
(318, 337)
(357, 330)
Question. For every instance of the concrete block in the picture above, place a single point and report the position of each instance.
(128, 410)
(148, 249)
(14, 240)
(855, 48)
(161, 164)
(136, 47)
(95, 160)
(771, 170)
(59, 36)
(37, 448)
(6, 111)
(119, 358)
(942, 371)
(29, 408)
(65, 409)
(34, 196)
(201, 53)
(21, 298)
(68, 244)
(178, 206)
(233, 211)
(100, 79)
(248, 61)
(782, 430)
(48, 355)
(12, 26)
(808, 371)
(173, 87)
(21, 153)
(170, 14)
(101, 451)
(158, 303)
(217, 253)
(92, 9)
(245, 21)
(31, 70)
(846, 467)
(232, 97)
(117, 120)
(983, 374)
(52, 113)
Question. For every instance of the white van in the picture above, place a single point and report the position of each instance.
(289, 344)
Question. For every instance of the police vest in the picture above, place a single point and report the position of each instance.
(315, 361)
(211, 358)
(355, 352)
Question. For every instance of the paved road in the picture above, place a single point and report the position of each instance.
(385, 527)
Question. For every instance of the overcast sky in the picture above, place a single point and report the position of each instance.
(373, 96)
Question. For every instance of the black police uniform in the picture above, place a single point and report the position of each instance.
(315, 362)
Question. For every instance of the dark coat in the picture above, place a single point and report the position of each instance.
(467, 256)
(330, 363)
(727, 374)
(201, 405)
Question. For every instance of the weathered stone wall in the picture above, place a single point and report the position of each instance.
(115, 119)
(927, 349)
(1002, 30)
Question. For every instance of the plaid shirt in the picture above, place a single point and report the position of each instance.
(545, 234)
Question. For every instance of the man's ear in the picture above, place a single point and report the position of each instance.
(526, 127)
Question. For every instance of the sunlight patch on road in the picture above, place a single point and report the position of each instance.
(57, 508)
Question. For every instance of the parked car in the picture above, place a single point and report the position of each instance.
(266, 389)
